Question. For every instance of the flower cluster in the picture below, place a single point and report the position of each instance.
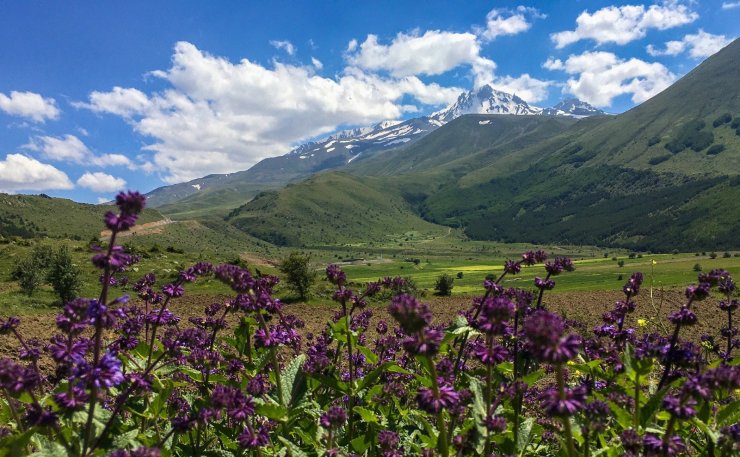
(129, 377)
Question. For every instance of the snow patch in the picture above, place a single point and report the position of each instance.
(486, 122)
(330, 149)
(350, 146)
(328, 145)
(302, 157)
(397, 141)
(353, 158)
(197, 186)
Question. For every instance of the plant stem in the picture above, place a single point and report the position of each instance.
(636, 413)
(566, 419)
(442, 445)
(351, 422)
(274, 360)
(489, 372)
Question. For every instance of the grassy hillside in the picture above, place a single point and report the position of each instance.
(30, 216)
(327, 209)
(465, 144)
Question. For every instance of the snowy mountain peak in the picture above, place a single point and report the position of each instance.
(485, 100)
(573, 107)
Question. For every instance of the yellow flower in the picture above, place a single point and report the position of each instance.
(654, 262)
(642, 322)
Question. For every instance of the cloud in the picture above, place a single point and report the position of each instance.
(317, 63)
(501, 22)
(120, 101)
(29, 105)
(19, 172)
(69, 148)
(218, 117)
(623, 24)
(433, 53)
(730, 5)
(530, 89)
(285, 45)
(101, 182)
(699, 45)
(602, 76)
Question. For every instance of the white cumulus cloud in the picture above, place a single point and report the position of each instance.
(29, 105)
(317, 63)
(120, 101)
(285, 45)
(699, 45)
(100, 182)
(623, 24)
(599, 77)
(217, 116)
(19, 172)
(531, 89)
(730, 5)
(69, 148)
(501, 22)
(433, 53)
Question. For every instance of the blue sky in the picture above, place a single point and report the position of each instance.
(99, 96)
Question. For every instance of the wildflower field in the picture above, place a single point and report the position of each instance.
(134, 370)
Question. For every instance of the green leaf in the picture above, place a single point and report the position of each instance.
(624, 418)
(374, 374)
(370, 356)
(649, 409)
(367, 416)
(48, 448)
(711, 434)
(294, 381)
(729, 414)
(127, 439)
(295, 451)
(525, 435)
(273, 411)
(361, 444)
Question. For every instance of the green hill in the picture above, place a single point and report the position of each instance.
(661, 176)
(32, 216)
(330, 208)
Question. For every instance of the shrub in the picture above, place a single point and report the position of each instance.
(459, 275)
(722, 120)
(691, 136)
(697, 267)
(620, 263)
(64, 276)
(298, 273)
(443, 285)
(726, 255)
(29, 275)
(716, 149)
(713, 255)
(653, 141)
(30, 271)
(659, 159)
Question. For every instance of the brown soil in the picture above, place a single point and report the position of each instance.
(587, 307)
(149, 228)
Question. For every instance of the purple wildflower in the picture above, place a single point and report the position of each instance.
(335, 417)
(410, 314)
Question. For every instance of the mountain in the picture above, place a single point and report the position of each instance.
(485, 100)
(337, 151)
(227, 191)
(664, 175)
(573, 107)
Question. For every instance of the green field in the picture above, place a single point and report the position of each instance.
(418, 255)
